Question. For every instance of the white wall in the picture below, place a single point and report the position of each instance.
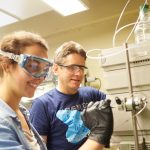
(91, 34)
(97, 35)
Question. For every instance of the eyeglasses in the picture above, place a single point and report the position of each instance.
(35, 66)
(74, 68)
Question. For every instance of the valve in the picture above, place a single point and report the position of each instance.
(129, 104)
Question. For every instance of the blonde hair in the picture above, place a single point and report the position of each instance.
(66, 49)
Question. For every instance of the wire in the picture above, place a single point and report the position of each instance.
(99, 83)
(120, 30)
(116, 32)
(111, 53)
(92, 57)
(122, 124)
(145, 104)
(143, 144)
(144, 147)
(142, 134)
(135, 24)
(119, 21)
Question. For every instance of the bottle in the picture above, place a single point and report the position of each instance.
(142, 30)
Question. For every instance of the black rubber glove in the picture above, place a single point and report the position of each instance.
(98, 117)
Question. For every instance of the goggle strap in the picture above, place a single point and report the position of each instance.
(10, 55)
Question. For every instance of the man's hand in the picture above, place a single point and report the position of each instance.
(98, 117)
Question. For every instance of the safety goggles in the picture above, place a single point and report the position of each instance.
(74, 68)
(35, 66)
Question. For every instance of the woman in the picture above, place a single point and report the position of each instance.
(23, 66)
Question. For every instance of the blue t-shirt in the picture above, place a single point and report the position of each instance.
(57, 116)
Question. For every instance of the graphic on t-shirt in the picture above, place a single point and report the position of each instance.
(76, 129)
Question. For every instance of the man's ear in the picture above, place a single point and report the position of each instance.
(55, 69)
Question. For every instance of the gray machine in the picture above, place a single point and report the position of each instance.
(126, 71)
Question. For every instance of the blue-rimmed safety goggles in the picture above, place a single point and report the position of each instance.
(37, 67)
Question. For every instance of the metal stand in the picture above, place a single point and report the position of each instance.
(134, 120)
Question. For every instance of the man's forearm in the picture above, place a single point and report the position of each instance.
(91, 145)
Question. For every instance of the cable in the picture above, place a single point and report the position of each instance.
(92, 57)
(135, 24)
(119, 22)
(130, 24)
(104, 56)
(99, 83)
(116, 32)
(111, 51)
(143, 144)
(122, 124)
(140, 129)
(144, 147)
(145, 104)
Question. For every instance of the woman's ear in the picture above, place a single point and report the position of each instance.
(5, 67)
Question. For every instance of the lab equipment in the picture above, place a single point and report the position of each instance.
(116, 84)
(142, 29)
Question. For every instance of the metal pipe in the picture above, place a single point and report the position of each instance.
(134, 119)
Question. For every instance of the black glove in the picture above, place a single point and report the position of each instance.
(98, 117)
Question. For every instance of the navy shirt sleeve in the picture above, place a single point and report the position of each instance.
(91, 94)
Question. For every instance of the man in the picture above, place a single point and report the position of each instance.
(57, 114)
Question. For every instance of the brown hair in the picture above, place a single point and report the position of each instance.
(16, 42)
(66, 49)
